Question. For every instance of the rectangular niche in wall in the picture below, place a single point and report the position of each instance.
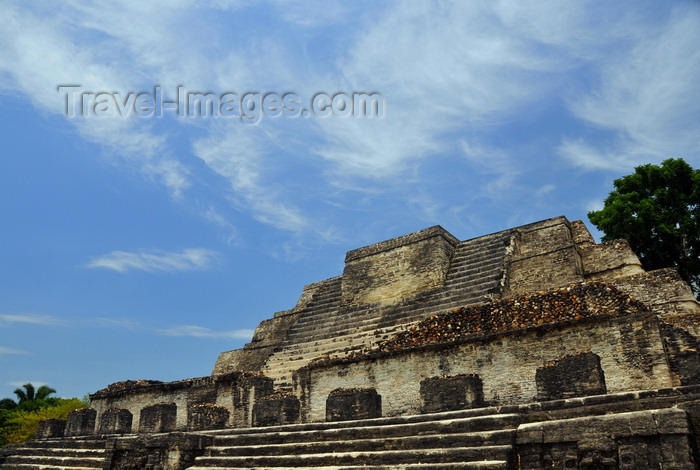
(571, 376)
(447, 393)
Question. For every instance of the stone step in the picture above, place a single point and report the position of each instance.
(342, 327)
(481, 258)
(463, 439)
(322, 349)
(389, 457)
(349, 326)
(473, 279)
(37, 462)
(69, 453)
(60, 452)
(484, 438)
(479, 465)
(344, 323)
(473, 247)
(66, 443)
(462, 421)
(323, 304)
(350, 336)
(325, 299)
(22, 466)
(469, 271)
(457, 289)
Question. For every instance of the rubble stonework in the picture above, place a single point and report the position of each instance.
(529, 348)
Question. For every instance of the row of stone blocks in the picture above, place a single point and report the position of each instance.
(343, 404)
(571, 376)
(440, 394)
(155, 418)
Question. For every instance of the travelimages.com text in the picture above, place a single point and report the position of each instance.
(248, 107)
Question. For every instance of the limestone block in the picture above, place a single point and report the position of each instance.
(115, 421)
(394, 269)
(354, 403)
(247, 391)
(204, 416)
(626, 441)
(570, 376)
(49, 428)
(447, 393)
(276, 409)
(81, 422)
(158, 418)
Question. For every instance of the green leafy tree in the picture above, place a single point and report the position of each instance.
(18, 425)
(657, 210)
(7, 404)
(31, 394)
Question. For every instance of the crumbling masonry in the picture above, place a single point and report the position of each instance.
(529, 348)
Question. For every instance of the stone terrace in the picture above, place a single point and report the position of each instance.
(326, 328)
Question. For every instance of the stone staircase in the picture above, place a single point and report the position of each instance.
(467, 439)
(70, 453)
(325, 329)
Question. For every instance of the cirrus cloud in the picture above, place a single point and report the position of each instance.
(186, 260)
(203, 332)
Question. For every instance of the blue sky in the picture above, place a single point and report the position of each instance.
(141, 247)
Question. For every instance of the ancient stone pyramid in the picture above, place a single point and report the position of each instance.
(529, 348)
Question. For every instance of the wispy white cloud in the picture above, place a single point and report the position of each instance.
(114, 323)
(445, 69)
(484, 76)
(123, 261)
(6, 350)
(30, 318)
(647, 104)
(202, 332)
(19, 383)
(547, 188)
(237, 154)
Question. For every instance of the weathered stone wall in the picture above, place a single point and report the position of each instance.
(171, 451)
(49, 428)
(345, 404)
(80, 422)
(545, 257)
(116, 421)
(683, 353)
(609, 260)
(451, 392)
(203, 416)
(665, 293)
(389, 271)
(626, 441)
(276, 409)
(235, 392)
(630, 349)
(571, 376)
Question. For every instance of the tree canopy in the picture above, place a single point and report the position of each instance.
(657, 210)
(31, 394)
(19, 421)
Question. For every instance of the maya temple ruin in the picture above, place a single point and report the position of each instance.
(530, 348)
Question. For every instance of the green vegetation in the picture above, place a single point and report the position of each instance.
(657, 209)
(20, 420)
(30, 394)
